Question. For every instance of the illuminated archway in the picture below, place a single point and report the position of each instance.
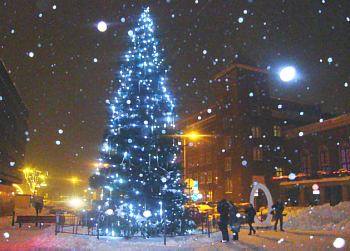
(256, 187)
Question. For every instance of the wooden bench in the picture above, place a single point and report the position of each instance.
(35, 219)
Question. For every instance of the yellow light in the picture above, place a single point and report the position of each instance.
(18, 189)
(193, 135)
(74, 180)
(76, 203)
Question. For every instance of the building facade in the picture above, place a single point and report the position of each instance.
(13, 130)
(244, 136)
(320, 160)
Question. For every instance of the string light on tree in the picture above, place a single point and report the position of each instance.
(137, 145)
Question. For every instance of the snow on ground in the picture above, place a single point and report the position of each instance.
(313, 228)
(45, 239)
(322, 217)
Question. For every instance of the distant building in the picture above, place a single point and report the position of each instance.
(320, 159)
(244, 137)
(13, 130)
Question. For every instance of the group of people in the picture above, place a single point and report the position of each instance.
(230, 216)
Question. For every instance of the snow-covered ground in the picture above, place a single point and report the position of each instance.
(304, 231)
(323, 217)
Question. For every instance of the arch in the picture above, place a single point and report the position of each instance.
(256, 187)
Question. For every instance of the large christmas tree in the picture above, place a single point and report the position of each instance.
(142, 188)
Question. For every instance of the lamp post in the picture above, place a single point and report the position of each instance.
(193, 135)
(74, 181)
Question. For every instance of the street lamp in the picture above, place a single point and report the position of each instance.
(74, 180)
(193, 136)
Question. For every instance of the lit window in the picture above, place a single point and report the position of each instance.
(210, 196)
(277, 131)
(257, 153)
(228, 185)
(279, 171)
(256, 132)
(228, 164)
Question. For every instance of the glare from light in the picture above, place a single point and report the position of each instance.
(339, 243)
(76, 203)
(287, 74)
(102, 26)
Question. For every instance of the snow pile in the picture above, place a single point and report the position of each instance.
(322, 217)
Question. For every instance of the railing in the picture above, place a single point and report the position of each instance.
(83, 225)
(75, 224)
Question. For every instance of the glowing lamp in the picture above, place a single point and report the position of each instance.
(287, 74)
(76, 203)
(102, 26)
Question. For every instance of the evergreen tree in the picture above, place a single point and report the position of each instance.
(142, 185)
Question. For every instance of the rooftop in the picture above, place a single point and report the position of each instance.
(340, 121)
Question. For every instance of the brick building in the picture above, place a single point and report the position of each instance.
(246, 136)
(13, 127)
(320, 155)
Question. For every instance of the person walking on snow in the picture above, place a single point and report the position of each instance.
(250, 211)
(235, 222)
(278, 208)
(223, 209)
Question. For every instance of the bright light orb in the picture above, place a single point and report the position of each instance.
(109, 211)
(6, 235)
(292, 176)
(76, 203)
(287, 74)
(339, 243)
(147, 214)
(102, 26)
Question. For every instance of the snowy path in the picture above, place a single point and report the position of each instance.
(33, 238)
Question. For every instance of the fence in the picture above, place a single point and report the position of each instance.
(83, 225)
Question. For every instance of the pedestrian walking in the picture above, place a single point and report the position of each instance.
(223, 209)
(278, 208)
(235, 221)
(250, 211)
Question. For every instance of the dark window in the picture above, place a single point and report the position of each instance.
(227, 164)
(209, 177)
(305, 162)
(256, 132)
(324, 159)
(257, 153)
(345, 156)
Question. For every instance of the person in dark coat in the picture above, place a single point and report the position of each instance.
(235, 221)
(250, 211)
(278, 208)
(223, 209)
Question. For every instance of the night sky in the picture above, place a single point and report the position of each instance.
(64, 68)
